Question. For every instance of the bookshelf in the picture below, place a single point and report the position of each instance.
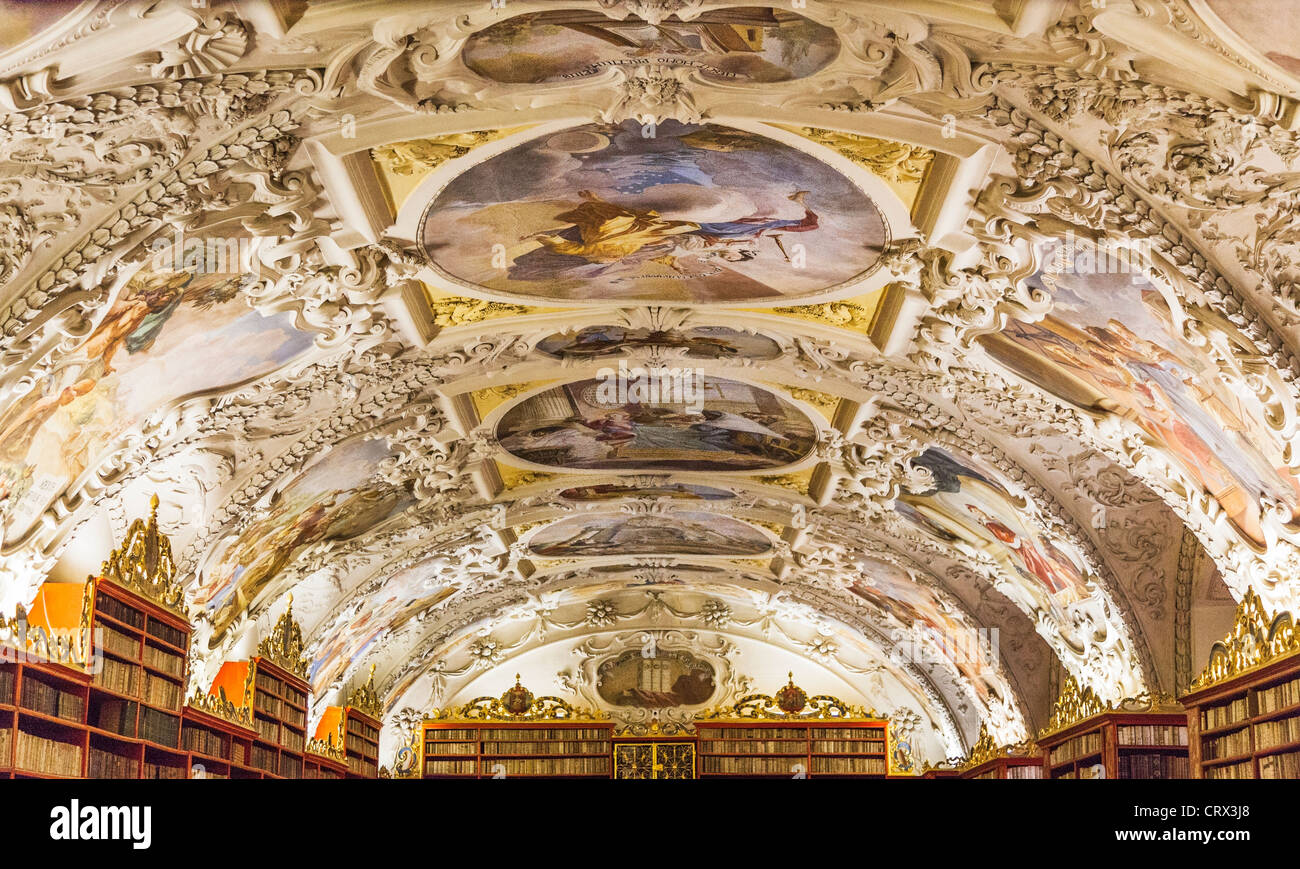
(793, 749)
(792, 735)
(346, 745)
(515, 736)
(96, 683)
(261, 703)
(276, 700)
(1139, 738)
(988, 760)
(217, 748)
(1243, 711)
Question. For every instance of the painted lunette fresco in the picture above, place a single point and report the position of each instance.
(168, 334)
(692, 213)
(968, 504)
(921, 609)
(353, 633)
(336, 498)
(1113, 344)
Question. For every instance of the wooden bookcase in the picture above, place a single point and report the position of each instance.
(279, 713)
(217, 748)
(530, 749)
(110, 710)
(1119, 745)
(793, 749)
(346, 745)
(361, 743)
(1006, 768)
(944, 772)
(1243, 712)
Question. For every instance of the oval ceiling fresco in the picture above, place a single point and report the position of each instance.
(20, 21)
(696, 423)
(666, 489)
(704, 342)
(1258, 23)
(746, 44)
(678, 533)
(679, 213)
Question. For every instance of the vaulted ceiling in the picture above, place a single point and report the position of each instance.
(936, 350)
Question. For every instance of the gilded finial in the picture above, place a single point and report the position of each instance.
(366, 699)
(143, 564)
(284, 647)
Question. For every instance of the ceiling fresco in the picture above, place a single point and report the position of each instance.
(692, 213)
(496, 339)
(741, 44)
(659, 423)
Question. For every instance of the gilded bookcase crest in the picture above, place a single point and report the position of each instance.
(284, 647)
(366, 699)
(1256, 639)
(789, 703)
(1075, 703)
(236, 712)
(986, 748)
(143, 564)
(541, 709)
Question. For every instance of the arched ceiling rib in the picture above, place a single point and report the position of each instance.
(375, 385)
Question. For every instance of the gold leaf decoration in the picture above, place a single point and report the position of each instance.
(794, 482)
(824, 402)
(986, 749)
(366, 699)
(223, 707)
(72, 648)
(540, 709)
(513, 478)
(143, 564)
(449, 311)
(1256, 639)
(424, 155)
(1073, 705)
(284, 647)
(818, 707)
(898, 162)
(328, 747)
(845, 315)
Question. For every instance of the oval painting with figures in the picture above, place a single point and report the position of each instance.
(735, 45)
(684, 532)
(696, 423)
(679, 213)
